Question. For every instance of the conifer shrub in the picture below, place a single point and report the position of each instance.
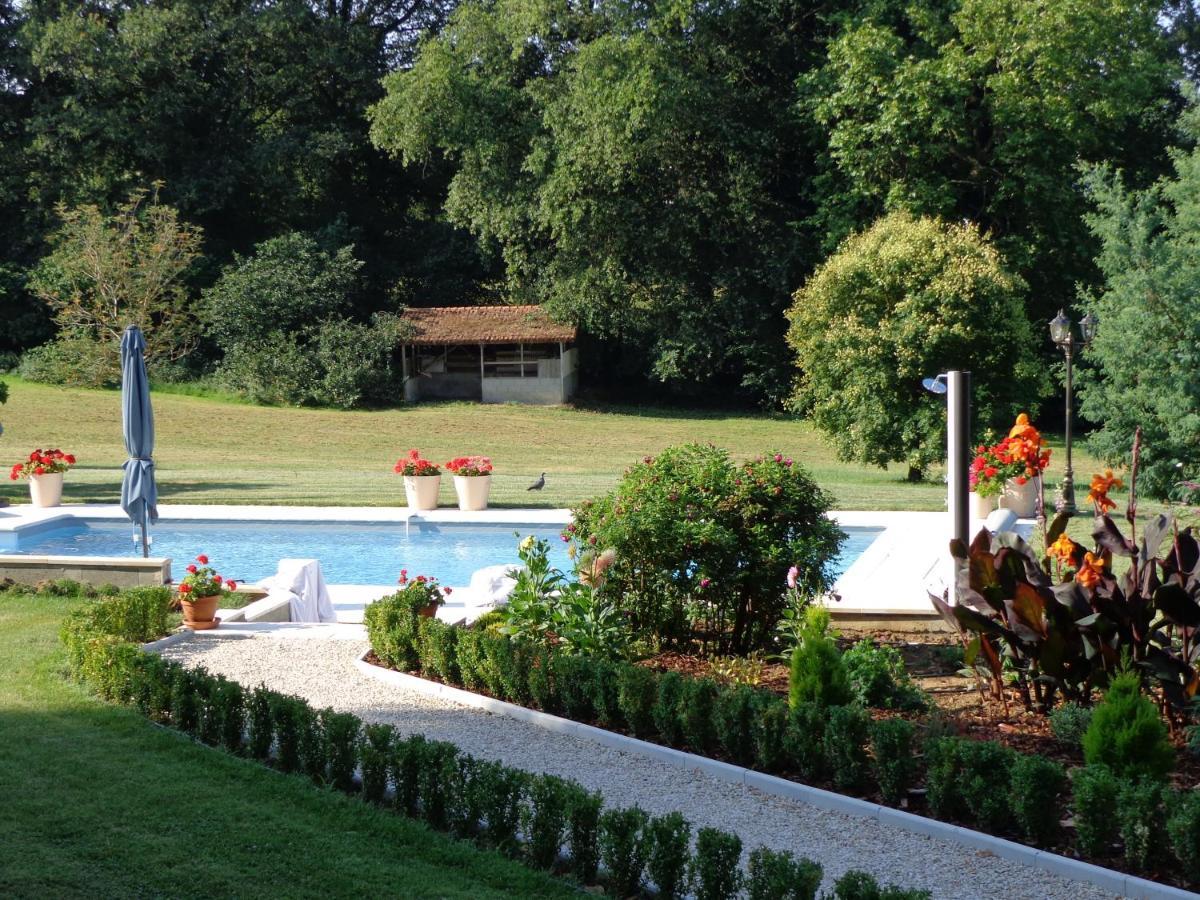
(818, 673)
(1127, 734)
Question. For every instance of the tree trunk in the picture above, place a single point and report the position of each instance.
(915, 474)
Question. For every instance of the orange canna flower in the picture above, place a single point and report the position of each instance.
(1090, 571)
(1062, 550)
(1098, 493)
(1024, 429)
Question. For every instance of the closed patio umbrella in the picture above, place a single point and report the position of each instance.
(139, 494)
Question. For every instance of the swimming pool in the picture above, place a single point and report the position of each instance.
(350, 552)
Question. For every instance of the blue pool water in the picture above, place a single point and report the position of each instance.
(350, 552)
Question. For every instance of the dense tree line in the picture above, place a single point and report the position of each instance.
(667, 174)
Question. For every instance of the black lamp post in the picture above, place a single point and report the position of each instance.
(1063, 335)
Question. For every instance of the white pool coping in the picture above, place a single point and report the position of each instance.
(893, 576)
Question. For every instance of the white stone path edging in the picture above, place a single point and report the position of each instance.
(1106, 879)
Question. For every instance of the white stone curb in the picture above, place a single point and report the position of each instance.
(1107, 879)
(155, 646)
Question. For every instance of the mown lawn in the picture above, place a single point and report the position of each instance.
(212, 451)
(99, 802)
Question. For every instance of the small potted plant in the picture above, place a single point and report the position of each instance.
(44, 469)
(423, 593)
(472, 481)
(1027, 457)
(200, 593)
(422, 480)
(988, 473)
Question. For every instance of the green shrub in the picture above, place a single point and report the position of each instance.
(844, 745)
(715, 871)
(736, 710)
(691, 520)
(1127, 734)
(501, 789)
(666, 709)
(1069, 723)
(408, 756)
(893, 758)
(878, 678)
(943, 776)
(512, 660)
(805, 740)
(542, 690)
(1183, 829)
(467, 802)
(286, 723)
(605, 699)
(583, 832)
(341, 733)
(858, 885)
(818, 673)
(1035, 785)
(778, 875)
(230, 702)
(489, 667)
(546, 820)
(985, 771)
(1139, 812)
(436, 645)
(435, 780)
(185, 702)
(208, 728)
(697, 706)
(471, 659)
(258, 714)
(1094, 791)
(314, 753)
(392, 630)
(669, 838)
(637, 690)
(376, 754)
(572, 678)
(623, 848)
(770, 734)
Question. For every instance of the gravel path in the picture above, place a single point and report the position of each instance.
(323, 672)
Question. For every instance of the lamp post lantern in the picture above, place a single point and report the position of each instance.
(1063, 336)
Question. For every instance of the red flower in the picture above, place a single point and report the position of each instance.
(70, 458)
(218, 580)
(231, 585)
(185, 589)
(202, 559)
(447, 591)
(39, 471)
(192, 569)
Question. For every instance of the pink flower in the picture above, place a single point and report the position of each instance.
(792, 575)
(705, 582)
(779, 457)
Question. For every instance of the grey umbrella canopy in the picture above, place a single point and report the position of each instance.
(139, 494)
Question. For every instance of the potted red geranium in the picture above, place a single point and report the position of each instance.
(1011, 469)
(200, 593)
(44, 469)
(422, 480)
(472, 481)
(423, 594)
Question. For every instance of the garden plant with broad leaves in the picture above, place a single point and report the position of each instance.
(1065, 637)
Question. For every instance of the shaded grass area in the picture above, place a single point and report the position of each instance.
(99, 802)
(210, 450)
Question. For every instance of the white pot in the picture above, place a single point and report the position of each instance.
(46, 490)
(421, 491)
(980, 507)
(1021, 498)
(472, 491)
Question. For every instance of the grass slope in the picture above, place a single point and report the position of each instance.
(214, 451)
(99, 802)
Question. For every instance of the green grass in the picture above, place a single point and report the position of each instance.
(210, 450)
(99, 802)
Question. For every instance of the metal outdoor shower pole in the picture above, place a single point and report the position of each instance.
(958, 450)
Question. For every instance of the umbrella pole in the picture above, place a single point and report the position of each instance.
(145, 542)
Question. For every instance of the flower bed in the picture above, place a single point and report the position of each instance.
(528, 816)
(979, 783)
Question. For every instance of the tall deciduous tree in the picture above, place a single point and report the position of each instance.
(902, 301)
(981, 110)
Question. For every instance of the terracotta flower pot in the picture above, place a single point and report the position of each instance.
(421, 491)
(428, 612)
(46, 490)
(199, 614)
(472, 491)
(1021, 498)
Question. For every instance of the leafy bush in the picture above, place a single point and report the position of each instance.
(737, 709)
(1183, 829)
(501, 789)
(637, 691)
(185, 704)
(286, 724)
(1139, 812)
(376, 754)
(546, 821)
(314, 752)
(669, 839)
(341, 732)
(1094, 791)
(878, 678)
(857, 885)
(230, 702)
(258, 713)
(573, 684)
(911, 296)
(805, 741)
(542, 686)
(512, 661)
(666, 708)
(604, 692)
(408, 756)
(624, 848)
(715, 871)
(1127, 734)
(893, 757)
(470, 657)
(436, 645)
(770, 734)
(691, 525)
(136, 615)
(1069, 723)
(435, 781)
(583, 832)
(1035, 784)
(392, 628)
(697, 705)
(844, 745)
(778, 875)
(985, 769)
